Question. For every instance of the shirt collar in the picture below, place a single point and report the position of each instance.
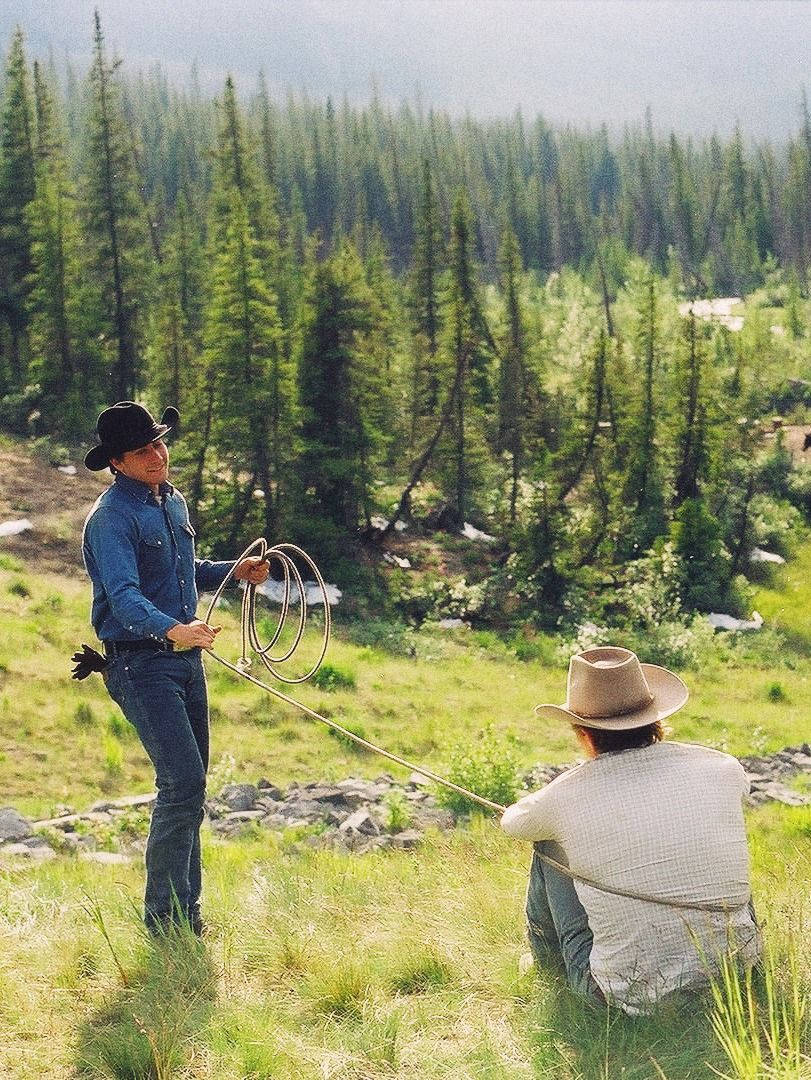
(142, 492)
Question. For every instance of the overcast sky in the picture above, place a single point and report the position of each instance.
(701, 65)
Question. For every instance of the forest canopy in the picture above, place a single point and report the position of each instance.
(368, 315)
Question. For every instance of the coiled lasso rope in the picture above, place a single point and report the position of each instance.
(286, 555)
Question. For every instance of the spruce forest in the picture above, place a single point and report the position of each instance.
(371, 315)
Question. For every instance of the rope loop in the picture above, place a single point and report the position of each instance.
(287, 556)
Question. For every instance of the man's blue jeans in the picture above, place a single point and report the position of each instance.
(557, 922)
(163, 695)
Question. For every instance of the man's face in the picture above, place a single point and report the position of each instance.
(149, 464)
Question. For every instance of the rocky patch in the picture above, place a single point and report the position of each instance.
(354, 814)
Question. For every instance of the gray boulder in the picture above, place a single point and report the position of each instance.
(239, 796)
(13, 826)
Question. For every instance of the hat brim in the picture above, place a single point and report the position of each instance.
(98, 457)
(669, 695)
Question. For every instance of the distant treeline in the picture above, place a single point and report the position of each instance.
(357, 309)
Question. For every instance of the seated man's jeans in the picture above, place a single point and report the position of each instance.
(557, 922)
(163, 695)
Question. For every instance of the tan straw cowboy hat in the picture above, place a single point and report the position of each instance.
(609, 688)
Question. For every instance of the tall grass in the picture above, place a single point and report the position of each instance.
(762, 1018)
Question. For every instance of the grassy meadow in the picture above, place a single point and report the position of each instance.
(321, 964)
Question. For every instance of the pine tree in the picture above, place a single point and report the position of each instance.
(466, 349)
(113, 221)
(512, 376)
(65, 320)
(643, 489)
(691, 437)
(252, 388)
(425, 299)
(337, 388)
(17, 190)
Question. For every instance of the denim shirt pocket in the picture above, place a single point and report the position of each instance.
(154, 554)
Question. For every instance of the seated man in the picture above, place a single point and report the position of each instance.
(653, 835)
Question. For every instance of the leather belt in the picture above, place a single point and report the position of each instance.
(116, 648)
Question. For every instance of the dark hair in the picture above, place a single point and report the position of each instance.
(607, 742)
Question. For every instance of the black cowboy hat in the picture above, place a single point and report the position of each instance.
(126, 426)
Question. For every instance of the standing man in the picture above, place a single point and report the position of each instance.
(138, 548)
(653, 834)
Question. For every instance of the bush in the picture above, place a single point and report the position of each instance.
(394, 638)
(19, 588)
(776, 693)
(84, 716)
(333, 677)
(398, 812)
(113, 756)
(487, 767)
(345, 741)
(697, 542)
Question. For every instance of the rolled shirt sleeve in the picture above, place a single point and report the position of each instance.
(114, 547)
(209, 575)
(528, 819)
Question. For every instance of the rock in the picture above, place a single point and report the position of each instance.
(427, 817)
(239, 796)
(302, 812)
(244, 815)
(13, 826)
(417, 780)
(108, 858)
(322, 793)
(66, 821)
(268, 790)
(363, 790)
(407, 839)
(360, 822)
(39, 853)
(128, 802)
(14, 528)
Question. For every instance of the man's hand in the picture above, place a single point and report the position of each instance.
(253, 570)
(196, 634)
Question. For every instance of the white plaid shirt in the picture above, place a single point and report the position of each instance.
(666, 820)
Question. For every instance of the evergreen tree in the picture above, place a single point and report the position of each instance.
(512, 376)
(113, 221)
(17, 190)
(65, 319)
(425, 298)
(252, 388)
(466, 349)
(643, 489)
(691, 432)
(337, 388)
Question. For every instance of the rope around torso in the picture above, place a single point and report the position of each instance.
(285, 555)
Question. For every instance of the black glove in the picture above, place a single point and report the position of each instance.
(87, 661)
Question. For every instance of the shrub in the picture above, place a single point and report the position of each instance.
(486, 766)
(333, 677)
(776, 693)
(394, 638)
(696, 537)
(113, 756)
(118, 726)
(53, 603)
(398, 813)
(84, 716)
(350, 744)
(19, 588)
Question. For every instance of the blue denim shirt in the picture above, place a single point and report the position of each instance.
(139, 553)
